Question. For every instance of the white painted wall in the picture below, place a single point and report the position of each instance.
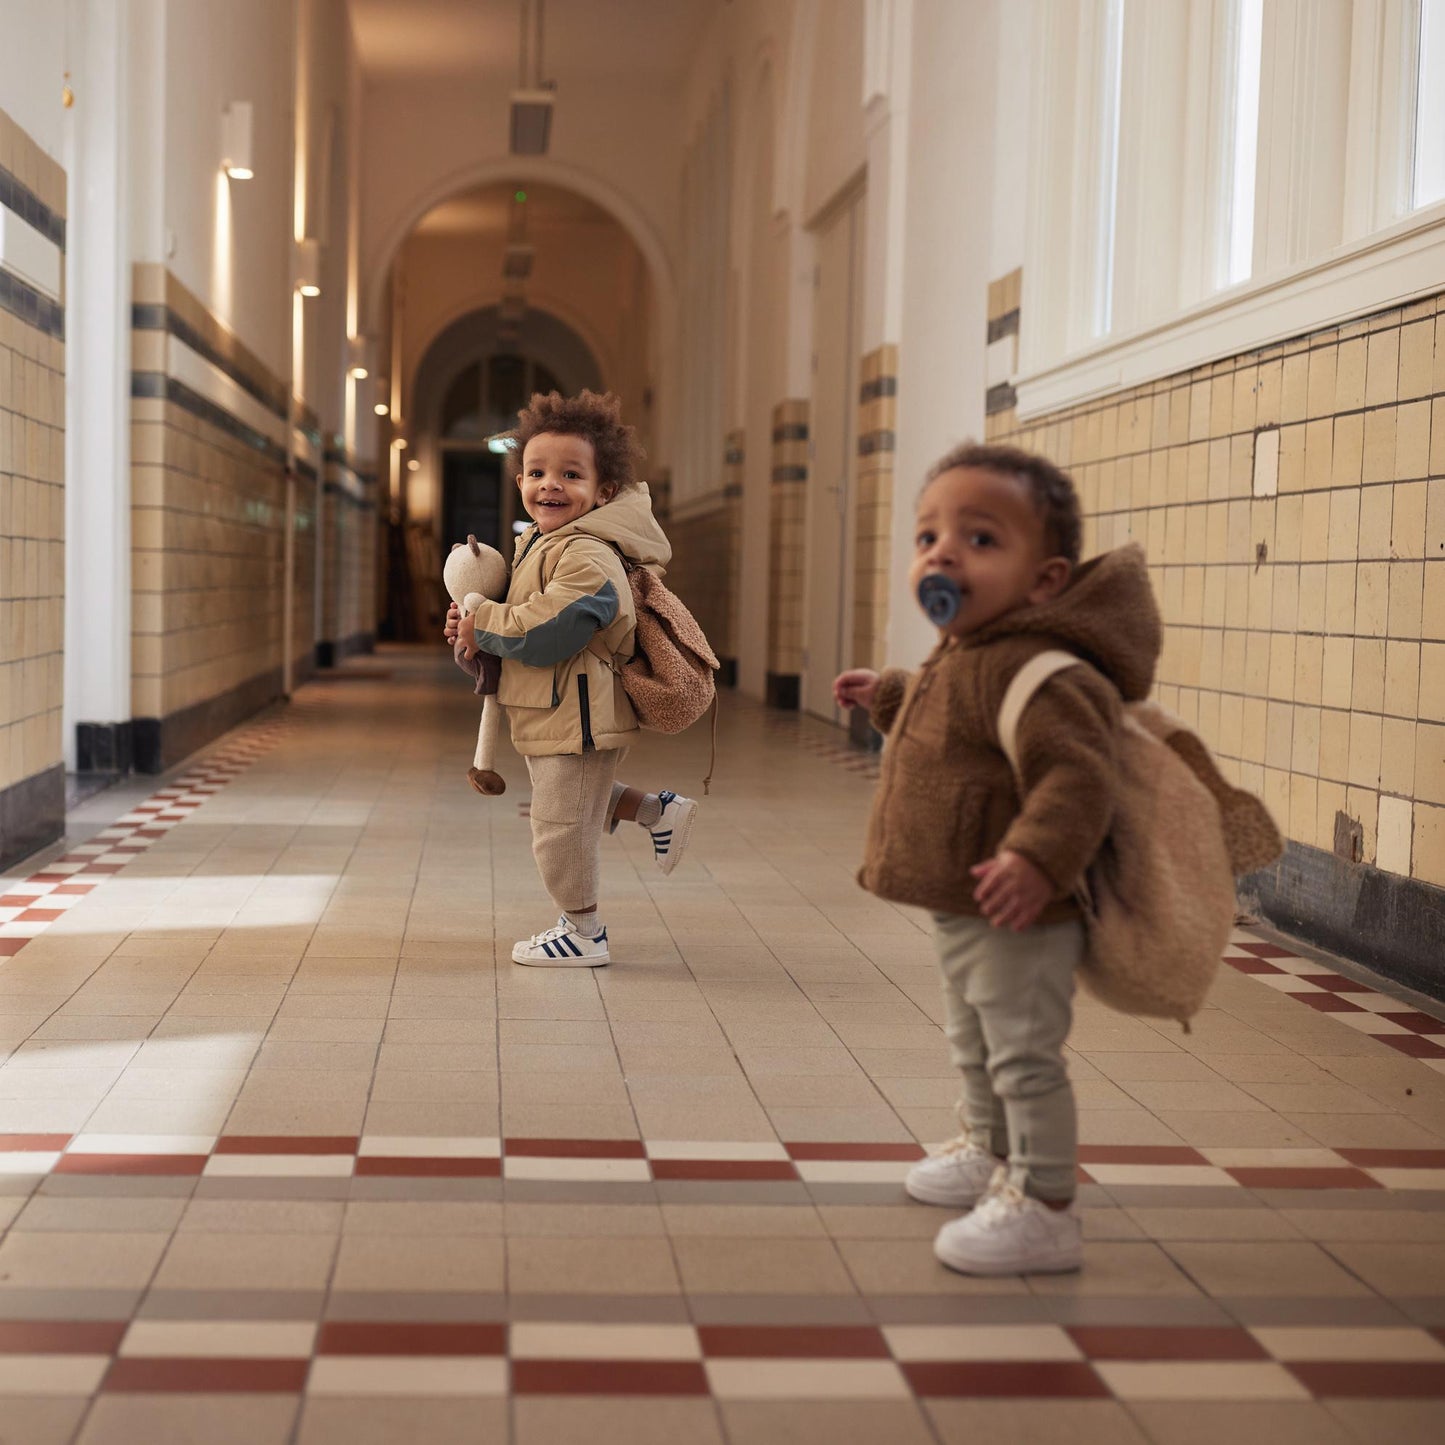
(1012, 109)
(231, 238)
(948, 261)
(837, 146)
(34, 54)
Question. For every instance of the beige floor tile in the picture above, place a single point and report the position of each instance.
(75, 1259)
(882, 1221)
(571, 1121)
(908, 1267)
(1414, 1226)
(556, 1265)
(321, 1117)
(468, 1421)
(1122, 1269)
(1396, 1269)
(1276, 1269)
(1215, 1224)
(122, 1419)
(1035, 1422)
(1391, 1422)
(247, 1261)
(420, 1218)
(801, 1422)
(263, 1216)
(1259, 1422)
(743, 1221)
(1253, 1130)
(402, 1086)
(410, 1263)
(602, 1421)
(761, 1266)
(600, 1221)
(105, 1214)
(36, 1420)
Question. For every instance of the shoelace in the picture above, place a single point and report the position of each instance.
(1002, 1200)
(955, 1146)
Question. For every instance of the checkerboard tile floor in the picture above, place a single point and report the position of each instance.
(289, 1151)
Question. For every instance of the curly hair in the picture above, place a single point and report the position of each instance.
(1052, 489)
(594, 417)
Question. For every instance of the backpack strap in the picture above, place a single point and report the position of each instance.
(1021, 689)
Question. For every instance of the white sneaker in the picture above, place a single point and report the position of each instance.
(673, 831)
(562, 947)
(1010, 1233)
(956, 1175)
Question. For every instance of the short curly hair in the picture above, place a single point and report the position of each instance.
(593, 416)
(1054, 494)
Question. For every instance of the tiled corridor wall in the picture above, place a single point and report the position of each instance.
(32, 514)
(348, 587)
(1306, 629)
(877, 417)
(785, 552)
(208, 515)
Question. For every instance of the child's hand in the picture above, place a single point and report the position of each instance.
(855, 688)
(1011, 891)
(467, 635)
(454, 616)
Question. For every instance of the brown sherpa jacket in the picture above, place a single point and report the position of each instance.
(947, 799)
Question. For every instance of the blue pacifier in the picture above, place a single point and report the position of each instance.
(940, 598)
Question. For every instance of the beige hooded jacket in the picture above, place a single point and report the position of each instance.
(568, 587)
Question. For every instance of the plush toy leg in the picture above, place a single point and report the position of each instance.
(481, 774)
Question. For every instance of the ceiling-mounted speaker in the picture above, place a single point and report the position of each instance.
(531, 122)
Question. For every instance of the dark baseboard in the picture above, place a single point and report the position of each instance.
(32, 814)
(727, 672)
(105, 747)
(328, 654)
(1393, 925)
(861, 732)
(160, 743)
(784, 690)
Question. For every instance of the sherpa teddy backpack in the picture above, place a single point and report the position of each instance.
(1158, 899)
(669, 677)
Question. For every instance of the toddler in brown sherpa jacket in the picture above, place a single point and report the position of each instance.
(950, 831)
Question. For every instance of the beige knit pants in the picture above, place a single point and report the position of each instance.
(573, 797)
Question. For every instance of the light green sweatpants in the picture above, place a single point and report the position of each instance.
(1009, 1000)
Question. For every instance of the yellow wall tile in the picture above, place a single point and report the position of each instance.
(1303, 808)
(1372, 599)
(1397, 756)
(1430, 762)
(1402, 678)
(1321, 398)
(1334, 745)
(1319, 454)
(1412, 440)
(1315, 527)
(1341, 601)
(1417, 346)
(1349, 451)
(1368, 691)
(1350, 375)
(1382, 368)
(1406, 598)
(1365, 733)
(1344, 539)
(1308, 668)
(1376, 511)
(1432, 682)
(1305, 748)
(1339, 670)
(1332, 801)
(1433, 620)
(1380, 433)
(1428, 856)
(1294, 387)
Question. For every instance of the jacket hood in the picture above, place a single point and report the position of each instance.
(1107, 614)
(626, 522)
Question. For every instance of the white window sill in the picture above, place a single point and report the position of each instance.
(1391, 268)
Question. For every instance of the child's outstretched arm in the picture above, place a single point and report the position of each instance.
(581, 600)
(880, 693)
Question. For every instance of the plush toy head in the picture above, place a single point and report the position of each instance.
(474, 570)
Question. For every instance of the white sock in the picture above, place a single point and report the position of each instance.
(589, 925)
(649, 811)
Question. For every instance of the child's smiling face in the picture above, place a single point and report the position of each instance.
(982, 530)
(559, 480)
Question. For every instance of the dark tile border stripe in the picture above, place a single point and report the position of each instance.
(16, 196)
(155, 316)
(880, 386)
(32, 814)
(23, 301)
(999, 398)
(1005, 325)
(157, 386)
(791, 431)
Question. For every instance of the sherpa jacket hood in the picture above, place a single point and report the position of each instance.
(947, 797)
(569, 588)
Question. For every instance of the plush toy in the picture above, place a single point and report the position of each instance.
(475, 571)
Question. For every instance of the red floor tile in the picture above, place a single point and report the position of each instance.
(1372, 1379)
(348, 1337)
(802, 1342)
(74, 888)
(1329, 1003)
(21, 900)
(1334, 982)
(61, 1337)
(39, 915)
(577, 1148)
(1417, 1046)
(1265, 950)
(1410, 1019)
(1246, 963)
(286, 1144)
(208, 1377)
(33, 1143)
(1139, 1154)
(9, 947)
(1007, 1379)
(1140, 1342)
(608, 1377)
(1395, 1158)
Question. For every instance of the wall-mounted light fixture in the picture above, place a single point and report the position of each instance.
(501, 444)
(358, 357)
(308, 266)
(400, 444)
(531, 128)
(381, 409)
(236, 141)
(413, 465)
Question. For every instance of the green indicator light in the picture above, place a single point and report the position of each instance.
(520, 196)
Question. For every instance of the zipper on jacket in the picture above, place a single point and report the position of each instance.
(584, 706)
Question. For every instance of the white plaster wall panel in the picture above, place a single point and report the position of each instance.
(837, 145)
(25, 253)
(947, 256)
(232, 238)
(32, 58)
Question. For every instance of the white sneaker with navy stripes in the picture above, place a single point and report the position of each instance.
(673, 830)
(562, 947)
